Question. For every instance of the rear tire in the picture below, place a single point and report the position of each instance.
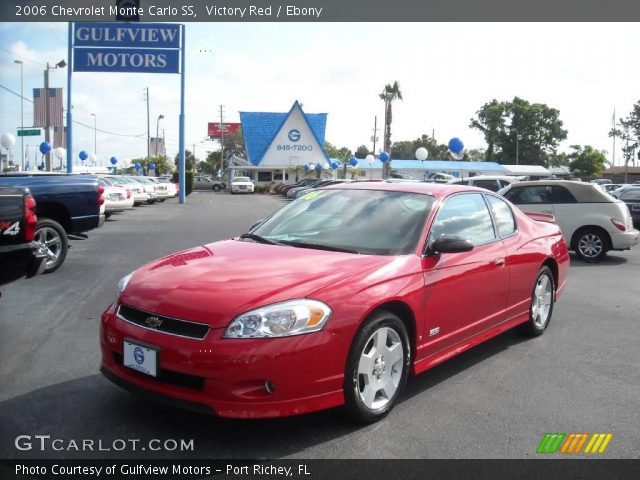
(377, 367)
(541, 309)
(216, 188)
(591, 245)
(53, 238)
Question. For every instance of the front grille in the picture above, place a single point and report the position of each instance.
(171, 326)
(168, 376)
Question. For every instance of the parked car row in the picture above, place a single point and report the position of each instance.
(66, 207)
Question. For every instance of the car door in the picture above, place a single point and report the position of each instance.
(466, 292)
(570, 215)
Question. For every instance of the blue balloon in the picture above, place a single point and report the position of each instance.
(353, 161)
(83, 155)
(318, 167)
(152, 166)
(114, 160)
(45, 147)
(334, 165)
(455, 145)
(137, 166)
(384, 157)
(306, 167)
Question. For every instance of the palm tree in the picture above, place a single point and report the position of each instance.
(389, 94)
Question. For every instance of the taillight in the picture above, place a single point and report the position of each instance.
(100, 196)
(31, 220)
(128, 194)
(618, 224)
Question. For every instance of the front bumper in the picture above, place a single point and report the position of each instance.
(228, 376)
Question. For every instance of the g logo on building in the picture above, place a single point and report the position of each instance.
(138, 354)
(294, 135)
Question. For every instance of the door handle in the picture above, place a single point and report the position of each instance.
(499, 262)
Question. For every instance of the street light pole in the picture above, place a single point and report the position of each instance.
(21, 111)
(517, 147)
(160, 117)
(47, 120)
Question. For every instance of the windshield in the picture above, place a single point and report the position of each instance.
(242, 179)
(365, 221)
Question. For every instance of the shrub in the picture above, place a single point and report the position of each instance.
(188, 175)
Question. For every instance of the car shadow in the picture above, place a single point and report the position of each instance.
(609, 259)
(93, 408)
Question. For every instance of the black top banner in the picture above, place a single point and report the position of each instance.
(319, 10)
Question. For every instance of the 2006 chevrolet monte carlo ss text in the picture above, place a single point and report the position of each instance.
(333, 300)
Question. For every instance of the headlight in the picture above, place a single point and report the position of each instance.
(294, 317)
(122, 284)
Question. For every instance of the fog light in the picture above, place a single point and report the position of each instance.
(269, 386)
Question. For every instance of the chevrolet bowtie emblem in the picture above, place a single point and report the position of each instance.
(152, 321)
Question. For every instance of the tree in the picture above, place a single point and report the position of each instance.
(362, 151)
(475, 154)
(628, 130)
(189, 160)
(519, 131)
(234, 144)
(586, 161)
(161, 163)
(210, 165)
(297, 169)
(389, 94)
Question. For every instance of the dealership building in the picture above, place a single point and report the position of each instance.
(275, 142)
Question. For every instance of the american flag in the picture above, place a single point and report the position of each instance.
(59, 137)
(55, 107)
(156, 146)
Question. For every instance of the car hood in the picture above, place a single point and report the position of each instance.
(214, 283)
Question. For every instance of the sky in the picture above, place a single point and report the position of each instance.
(446, 72)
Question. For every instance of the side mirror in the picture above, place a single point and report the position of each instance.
(449, 244)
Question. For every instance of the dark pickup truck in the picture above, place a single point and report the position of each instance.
(65, 205)
(20, 256)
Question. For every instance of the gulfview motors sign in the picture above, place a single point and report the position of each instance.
(126, 47)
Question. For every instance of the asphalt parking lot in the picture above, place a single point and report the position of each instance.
(495, 401)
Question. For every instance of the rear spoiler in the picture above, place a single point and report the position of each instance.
(541, 217)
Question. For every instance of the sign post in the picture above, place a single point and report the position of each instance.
(128, 47)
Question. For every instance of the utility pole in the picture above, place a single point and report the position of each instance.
(375, 134)
(221, 138)
(148, 126)
(21, 111)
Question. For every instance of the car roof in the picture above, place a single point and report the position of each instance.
(583, 192)
(510, 178)
(438, 190)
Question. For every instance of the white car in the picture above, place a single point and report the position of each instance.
(172, 188)
(161, 188)
(116, 198)
(137, 190)
(490, 182)
(592, 222)
(148, 187)
(242, 185)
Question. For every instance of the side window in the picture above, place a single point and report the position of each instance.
(488, 184)
(562, 195)
(531, 194)
(464, 216)
(505, 222)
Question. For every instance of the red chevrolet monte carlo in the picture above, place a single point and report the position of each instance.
(333, 300)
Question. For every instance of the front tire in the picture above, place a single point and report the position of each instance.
(591, 245)
(52, 237)
(377, 368)
(541, 308)
(216, 188)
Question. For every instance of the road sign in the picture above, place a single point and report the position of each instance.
(29, 133)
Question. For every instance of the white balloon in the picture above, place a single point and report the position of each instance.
(369, 158)
(326, 165)
(422, 153)
(457, 156)
(92, 157)
(8, 140)
(59, 152)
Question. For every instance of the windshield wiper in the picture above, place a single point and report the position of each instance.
(258, 238)
(319, 246)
